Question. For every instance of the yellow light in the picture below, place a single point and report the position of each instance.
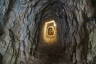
(50, 32)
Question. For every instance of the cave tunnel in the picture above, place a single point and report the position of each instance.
(56, 44)
(47, 32)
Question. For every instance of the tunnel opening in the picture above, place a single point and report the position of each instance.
(49, 32)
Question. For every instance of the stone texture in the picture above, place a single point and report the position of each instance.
(20, 22)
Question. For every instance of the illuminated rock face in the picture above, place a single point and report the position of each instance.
(50, 32)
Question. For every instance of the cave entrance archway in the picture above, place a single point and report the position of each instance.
(49, 32)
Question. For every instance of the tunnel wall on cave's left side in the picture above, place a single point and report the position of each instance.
(25, 38)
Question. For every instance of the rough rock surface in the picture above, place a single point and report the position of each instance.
(20, 24)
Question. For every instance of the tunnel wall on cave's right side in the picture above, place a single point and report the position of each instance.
(91, 56)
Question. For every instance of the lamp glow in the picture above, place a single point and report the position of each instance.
(50, 32)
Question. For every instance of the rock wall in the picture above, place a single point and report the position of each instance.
(20, 22)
